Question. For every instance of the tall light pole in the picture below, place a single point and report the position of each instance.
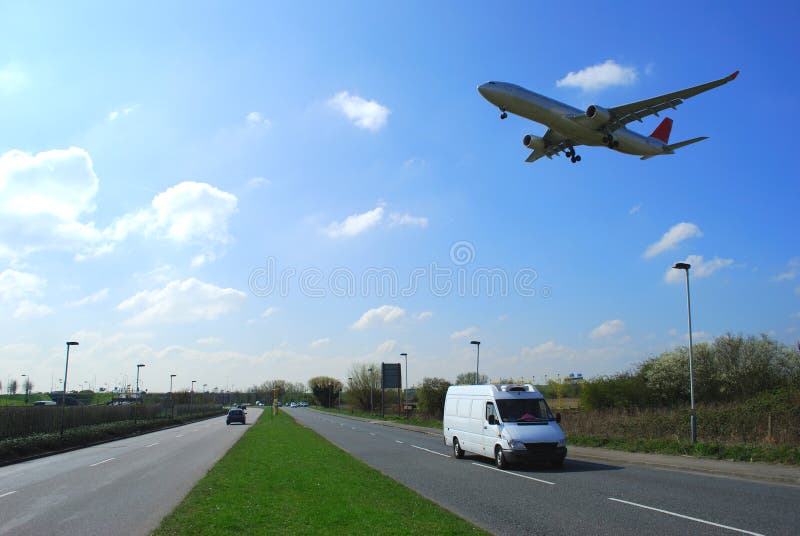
(477, 362)
(191, 393)
(64, 392)
(405, 355)
(170, 384)
(25, 385)
(137, 379)
(370, 389)
(693, 418)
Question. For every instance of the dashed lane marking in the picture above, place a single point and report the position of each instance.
(431, 451)
(104, 461)
(513, 474)
(685, 517)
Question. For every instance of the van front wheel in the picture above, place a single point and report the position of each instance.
(499, 458)
(458, 452)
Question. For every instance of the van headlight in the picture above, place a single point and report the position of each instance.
(517, 445)
(562, 442)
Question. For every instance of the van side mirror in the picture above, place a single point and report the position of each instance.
(558, 417)
(492, 420)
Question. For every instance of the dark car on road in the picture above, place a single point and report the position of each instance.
(235, 415)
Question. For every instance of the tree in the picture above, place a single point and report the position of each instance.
(326, 390)
(363, 384)
(431, 396)
(468, 378)
(27, 386)
(12, 387)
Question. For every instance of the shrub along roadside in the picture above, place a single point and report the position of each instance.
(282, 478)
(719, 451)
(21, 448)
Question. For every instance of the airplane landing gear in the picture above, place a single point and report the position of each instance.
(610, 142)
(503, 113)
(570, 153)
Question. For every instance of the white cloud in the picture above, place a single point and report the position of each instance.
(15, 285)
(255, 119)
(319, 342)
(795, 315)
(424, 315)
(181, 301)
(549, 348)
(635, 209)
(369, 115)
(97, 297)
(13, 79)
(255, 182)
(700, 268)
(676, 234)
(187, 212)
(44, 198)
(203, 258)
(269, 311)
(384, 314)
(791, 273)
(27, 309)
(607, 329)
(464, 333)
(355, 224)
(407, 219)
(386, 347)
(600, 76)
(121, 112)
(209, 341)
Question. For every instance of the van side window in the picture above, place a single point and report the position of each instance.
(490, 410)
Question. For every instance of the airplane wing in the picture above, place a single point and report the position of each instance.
(635, 111)
(554, 144)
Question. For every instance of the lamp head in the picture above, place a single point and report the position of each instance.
(682, 266)
(404, 354)
(475, 342)
(72, 343)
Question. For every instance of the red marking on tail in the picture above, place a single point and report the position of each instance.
(733, 76)
(662, 131)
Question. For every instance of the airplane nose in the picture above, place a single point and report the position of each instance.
(483, 89)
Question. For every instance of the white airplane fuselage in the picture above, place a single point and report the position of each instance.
(561, 118)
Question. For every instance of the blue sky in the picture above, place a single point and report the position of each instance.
(157, 161)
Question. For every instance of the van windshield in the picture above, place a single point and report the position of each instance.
(524, 409)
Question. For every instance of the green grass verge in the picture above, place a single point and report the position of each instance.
(744, 453)
(281, 478)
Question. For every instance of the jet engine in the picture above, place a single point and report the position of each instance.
(533, 142)
(598, 115)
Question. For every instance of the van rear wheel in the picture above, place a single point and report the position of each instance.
(458, 452)
(500, 458)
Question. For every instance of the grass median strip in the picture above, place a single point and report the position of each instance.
(282, 478)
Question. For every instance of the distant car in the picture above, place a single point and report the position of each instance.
(242, 406)
(293, 405)
(235, 415)
(44, 403)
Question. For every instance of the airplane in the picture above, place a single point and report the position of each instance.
(569, 127)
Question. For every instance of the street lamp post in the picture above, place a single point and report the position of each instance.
(139, 394)
(64, 392)
(477, 362)
(405, 355)
(370, 389)
(170, 384)
(191, 395)
(693, 418)
(25, 385)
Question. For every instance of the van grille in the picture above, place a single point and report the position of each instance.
(542, 448)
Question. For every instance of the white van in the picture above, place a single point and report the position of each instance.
(510, 423)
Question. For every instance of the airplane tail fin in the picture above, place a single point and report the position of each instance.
(663, 130)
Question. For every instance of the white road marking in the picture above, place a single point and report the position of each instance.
(685, 517)
(196, 430)
(431, 451)
(104, 461)
(151, 445)
(7, 494)
(179, 435)
(396, 441)
(373, 435)
(513, 474)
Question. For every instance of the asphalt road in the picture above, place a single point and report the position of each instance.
(582, 498)
(121, 487)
